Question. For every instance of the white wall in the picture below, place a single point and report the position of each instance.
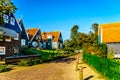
(54, 45)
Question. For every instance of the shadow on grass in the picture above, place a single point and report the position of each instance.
(88, 78)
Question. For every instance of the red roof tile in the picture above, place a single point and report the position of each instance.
(32, 32)
(54, 35)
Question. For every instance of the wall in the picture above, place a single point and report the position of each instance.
(54, 45)
(10, 46)
(114, 46)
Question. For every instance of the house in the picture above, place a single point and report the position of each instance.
(35, 39)
(52, 40)
(109, 34)
(9, 37)
(24, 36)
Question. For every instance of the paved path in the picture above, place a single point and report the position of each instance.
(63, 69)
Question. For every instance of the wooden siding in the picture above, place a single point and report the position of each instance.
(10, 46)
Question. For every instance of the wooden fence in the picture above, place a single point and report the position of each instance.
(14, 59)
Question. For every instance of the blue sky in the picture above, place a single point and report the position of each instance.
(61, 15)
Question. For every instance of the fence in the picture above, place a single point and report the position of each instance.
(18, 58)
(108, 68)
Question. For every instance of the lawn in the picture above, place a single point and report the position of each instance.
(46, 55)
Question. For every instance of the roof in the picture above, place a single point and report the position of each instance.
(109, 32)
(15, 27)
(23, 32)
(55, 35)
(8, 32)
(32, 32)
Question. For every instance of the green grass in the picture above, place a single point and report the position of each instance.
(46, 55)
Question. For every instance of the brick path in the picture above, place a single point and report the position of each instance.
(63, 69)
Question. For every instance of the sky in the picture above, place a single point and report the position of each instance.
(62, 15)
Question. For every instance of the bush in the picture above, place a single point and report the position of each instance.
(97, 49)
(111, 54)
(29, 51)
(29, 62)
(23, 62)
(3, 68)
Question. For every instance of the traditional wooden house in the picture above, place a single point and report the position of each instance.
(52, 40)
(109, 34)
(35, 39)
(9, 37)
(24, 36)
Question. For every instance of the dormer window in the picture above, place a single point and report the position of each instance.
(12, 21)
(6, 19)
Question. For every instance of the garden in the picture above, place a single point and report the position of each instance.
(46, 56)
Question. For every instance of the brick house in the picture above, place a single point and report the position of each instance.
(109, 34)
(35, 39)
(9, 37)
(52, 40)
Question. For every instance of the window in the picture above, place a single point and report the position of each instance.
(2, 50)
(8, 39)
(1, 38)
(17, 38)
(12, 21)
(23, 41)
(6, 19)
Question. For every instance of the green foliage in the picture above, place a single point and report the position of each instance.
(29, 51)
(46, 55)
(29, 62)
(6, 6)
(74, 32)
(107, 67)
(95, 28)
(89, 41)
(74, 36)
(23, 63)
(111, 54)
(96, 49)
(3, 68)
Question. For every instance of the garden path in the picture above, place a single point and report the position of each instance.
(63, 69)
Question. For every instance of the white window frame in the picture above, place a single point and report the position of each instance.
(23, 42)
(12, 21)
(2, 50)
(6, 18)
(8, 39)
(17, 38)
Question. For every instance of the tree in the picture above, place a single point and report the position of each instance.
(95, 27)
(6, 6)
(95, 31)
(74, 35)
(74, 32)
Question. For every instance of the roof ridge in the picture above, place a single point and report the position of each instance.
(49, 31)
(110, 23)
(32, 28)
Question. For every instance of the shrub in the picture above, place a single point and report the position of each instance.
(111, 54)
(3, 68)
(23, 63)
(29, 62)
(97, 49)
(29, 51)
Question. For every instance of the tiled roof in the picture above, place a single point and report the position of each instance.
(110, 32)
(32, 32)
(54, 35)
